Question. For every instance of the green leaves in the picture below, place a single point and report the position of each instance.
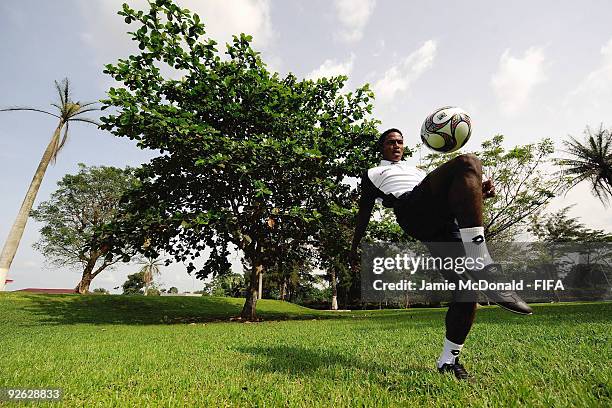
(265, 154)
(261, 189)
(82, 204)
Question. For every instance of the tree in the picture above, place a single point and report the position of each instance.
(150, 269)
(291, 266)
(231, 285)
(591, 161)
(173, 290)
(134, 284)
(560, 238)
(311, 291)
(82, 203)
(68, 112)
(559, 227)
(249, 154)
(101, 291)
(334, 241)
(523, 187)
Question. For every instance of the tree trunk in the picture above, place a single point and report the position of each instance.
(334, 288)
(248, 310)
(260, 290)
(12, 242)
(83, 287)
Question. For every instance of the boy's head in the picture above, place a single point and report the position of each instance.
(391, 144)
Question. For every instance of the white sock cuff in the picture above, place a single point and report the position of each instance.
(468, 233)
(449, 345)
(450, 352)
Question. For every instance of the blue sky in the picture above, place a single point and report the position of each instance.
(524, 69)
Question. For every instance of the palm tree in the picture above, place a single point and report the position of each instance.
(592, 161)
(68, 111)
(150, 269)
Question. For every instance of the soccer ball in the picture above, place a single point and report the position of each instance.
(447, 129)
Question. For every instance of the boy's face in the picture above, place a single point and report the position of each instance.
(393, 147)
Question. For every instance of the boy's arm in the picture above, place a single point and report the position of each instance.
(366, 204)
(362, 220)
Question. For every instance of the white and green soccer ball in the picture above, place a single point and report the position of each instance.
(447, 129)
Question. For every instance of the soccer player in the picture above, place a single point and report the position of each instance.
(444, 206)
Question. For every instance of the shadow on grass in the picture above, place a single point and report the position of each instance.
(300, 362)
(127, 310)
(141, 310)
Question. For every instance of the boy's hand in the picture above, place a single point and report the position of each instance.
(488, 189)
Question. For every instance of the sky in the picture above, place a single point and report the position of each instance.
(524, 69)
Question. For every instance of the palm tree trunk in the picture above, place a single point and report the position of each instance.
(12, 242)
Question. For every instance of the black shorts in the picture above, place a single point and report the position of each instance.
(425, 217)
(428, 219)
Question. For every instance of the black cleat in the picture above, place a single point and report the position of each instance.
(507, 299)
(457, 369)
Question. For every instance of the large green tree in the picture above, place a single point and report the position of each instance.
(82, 203)
(68, 111)
(240, 146)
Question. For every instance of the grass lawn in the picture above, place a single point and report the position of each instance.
(178, 351)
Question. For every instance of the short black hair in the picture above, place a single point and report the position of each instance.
(383, 136)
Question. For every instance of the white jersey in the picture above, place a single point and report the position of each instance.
(394, 178)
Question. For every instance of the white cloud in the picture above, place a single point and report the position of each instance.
(109, 278)
(353, 16)
(516, 77)
(106, 31)
(399, 77)
(594, 93)
(332, 67)
(224, 18)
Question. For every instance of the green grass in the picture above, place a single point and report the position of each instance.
(177, 351)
